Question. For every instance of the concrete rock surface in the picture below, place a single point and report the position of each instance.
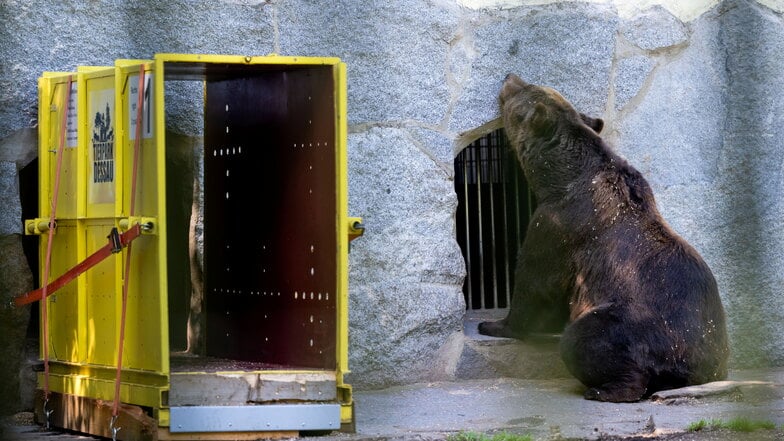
(15, 279)
(566, 46)
(406, 270)
(11, 214)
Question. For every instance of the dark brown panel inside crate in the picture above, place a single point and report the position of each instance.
(270, 217)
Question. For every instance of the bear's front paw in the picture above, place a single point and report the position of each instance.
(494, 329)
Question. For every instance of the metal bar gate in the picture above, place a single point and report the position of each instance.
(494, 207)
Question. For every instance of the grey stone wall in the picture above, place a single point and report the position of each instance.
(15, 277)
(696, 106)
(705, 129)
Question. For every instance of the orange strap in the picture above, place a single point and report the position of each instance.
(115, 245)
(126, 281)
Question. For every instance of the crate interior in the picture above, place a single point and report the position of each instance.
(269, 220)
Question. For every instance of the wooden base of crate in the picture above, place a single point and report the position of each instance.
(91, 416)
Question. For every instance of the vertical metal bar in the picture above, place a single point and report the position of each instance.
(489, 161)
(469, 300)
(479, 229)
(492, 162)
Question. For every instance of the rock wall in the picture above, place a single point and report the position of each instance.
(696, 106)
(704, 129)
(15, 276)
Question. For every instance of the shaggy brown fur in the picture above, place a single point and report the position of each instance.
(640, 307)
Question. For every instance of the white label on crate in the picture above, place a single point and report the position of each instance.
(148, 109)
(101, 148)
(71, 124)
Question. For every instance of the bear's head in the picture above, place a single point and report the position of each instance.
(535, 115)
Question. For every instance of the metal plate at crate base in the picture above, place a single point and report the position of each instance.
(268, 417)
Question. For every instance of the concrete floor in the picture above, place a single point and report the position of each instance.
(545, 409)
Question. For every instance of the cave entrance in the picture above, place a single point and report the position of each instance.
(494, 207)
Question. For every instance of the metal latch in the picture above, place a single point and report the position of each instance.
(355, 228)
(38, 225)
(149, 224)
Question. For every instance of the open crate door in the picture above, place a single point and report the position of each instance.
(147, 341)
(275, 245)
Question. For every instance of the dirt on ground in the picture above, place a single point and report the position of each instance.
(706, 435)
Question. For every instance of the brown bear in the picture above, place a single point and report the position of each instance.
(638, 307)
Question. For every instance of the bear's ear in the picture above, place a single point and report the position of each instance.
(540, 121)
(597, 124)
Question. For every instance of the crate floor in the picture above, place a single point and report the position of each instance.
(184, 362)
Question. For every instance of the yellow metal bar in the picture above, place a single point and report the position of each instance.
(88, 69)
(341, 133)
(282, 372)
(44, 93)
(52, 74)
(82, 121)
(246, 59)
(163, 276)
(44, 96)
(140, 388)
(341, 165)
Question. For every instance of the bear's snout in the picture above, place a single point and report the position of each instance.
(512, 78)
(511, 86)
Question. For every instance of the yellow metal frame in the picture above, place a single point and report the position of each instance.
(341, 167)
(84, 316)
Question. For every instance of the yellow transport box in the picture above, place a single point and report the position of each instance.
(271, 305)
